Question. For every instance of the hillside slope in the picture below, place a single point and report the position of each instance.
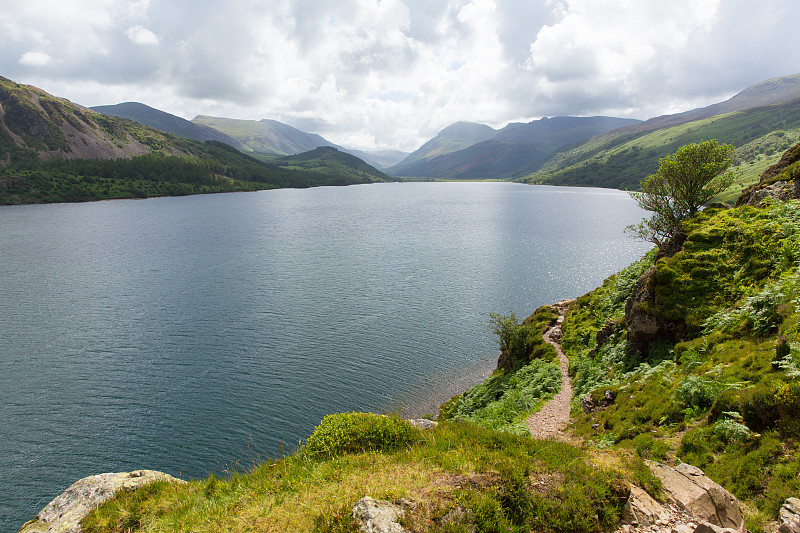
(761, 122)
(512, 151)
(163, 121)
(265, 136)
(52, 150)
(35, 124)
(451, 139)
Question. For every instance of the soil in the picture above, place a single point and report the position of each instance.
(553, 418)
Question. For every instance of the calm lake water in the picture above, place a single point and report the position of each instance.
(202, 333)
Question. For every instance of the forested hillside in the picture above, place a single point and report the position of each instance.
(54, 151)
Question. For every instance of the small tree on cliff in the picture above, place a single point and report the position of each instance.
(685, 181)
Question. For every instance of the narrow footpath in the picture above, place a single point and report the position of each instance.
(554, 416)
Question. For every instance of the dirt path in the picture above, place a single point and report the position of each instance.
(554, 416)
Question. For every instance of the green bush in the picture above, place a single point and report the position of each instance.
(358, 432)
(695, 392)
(731, 429)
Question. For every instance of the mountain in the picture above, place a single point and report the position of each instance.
(382, 159)
(515, 150)
(760, 122)
(335, 165)
(39, 126)
(163, 121)
(52, 150)
(265, 136)
(451, 139)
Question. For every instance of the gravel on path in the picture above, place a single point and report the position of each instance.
(553, 418)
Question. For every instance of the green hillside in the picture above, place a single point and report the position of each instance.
(332, 165)
(166, 122)
(54, 151)
(265, 136)
(620, 159)
(451, 139)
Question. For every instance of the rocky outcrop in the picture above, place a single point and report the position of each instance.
(588, 404)
(65, 512)
(789, 518)
(778, 182)
(378, 516)
(780, 190)
(687, 487)
(643, 328)
(642, 510)
(695, 504)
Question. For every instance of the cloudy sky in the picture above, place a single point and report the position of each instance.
(376, 74)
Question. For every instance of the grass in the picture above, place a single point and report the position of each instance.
(722, 394)
(507, 482)
(622, 160)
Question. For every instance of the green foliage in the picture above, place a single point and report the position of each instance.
(619, 159)
(731, 429)
(697, 392)
(503, 401)
(484, 481)
(522, 343)
(728, 255)
(358, 432)
(685, 181)
(648, 447)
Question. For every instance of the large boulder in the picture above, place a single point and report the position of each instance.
(688, 487)
(642, 510)
(65, 512)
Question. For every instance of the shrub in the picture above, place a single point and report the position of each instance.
(695, 392)
(731, 429)
(358, 432)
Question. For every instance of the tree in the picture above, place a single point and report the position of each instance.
(685, 181)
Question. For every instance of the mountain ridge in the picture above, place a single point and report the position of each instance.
(163, 121)
(511, 151)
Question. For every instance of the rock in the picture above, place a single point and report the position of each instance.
(688, 487)
(587, 404)
(642, 327)
(789, 516)
(770, 185)
(642, 510)
(65, 512)
(705, 527)
(378, 516)
(602, 335)
(422, 423)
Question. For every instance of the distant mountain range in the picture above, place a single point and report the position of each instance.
(475, 151)
(52, 150)
(761, 122)
(39, 129)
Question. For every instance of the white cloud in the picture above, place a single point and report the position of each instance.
(141, 35)
(35, 59)
(390, 74)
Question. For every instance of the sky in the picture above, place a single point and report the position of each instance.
(390, 74)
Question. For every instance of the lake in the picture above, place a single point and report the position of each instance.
(201, 334)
